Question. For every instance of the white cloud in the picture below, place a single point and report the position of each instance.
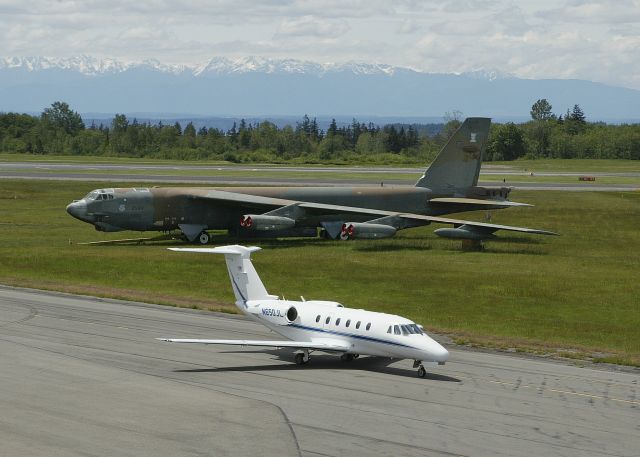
(313, 26)
(595, 40)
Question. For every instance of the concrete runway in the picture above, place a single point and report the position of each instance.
(265, 181)
(148, 173)
(84, 376)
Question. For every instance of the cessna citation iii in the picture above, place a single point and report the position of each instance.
(316, 325)
(449, 185)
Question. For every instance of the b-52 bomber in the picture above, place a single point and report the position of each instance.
(448, 186)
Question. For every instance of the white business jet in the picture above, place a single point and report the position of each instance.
(316, 325)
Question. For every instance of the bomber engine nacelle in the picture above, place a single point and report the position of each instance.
(464, 232)
(280, 313)
(262, 222)
(351, 230)
(104, 227)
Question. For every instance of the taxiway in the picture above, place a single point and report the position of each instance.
(85, 376)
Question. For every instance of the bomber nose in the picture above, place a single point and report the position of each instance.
(78, 209)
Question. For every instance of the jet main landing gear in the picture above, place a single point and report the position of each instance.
(347, 357)
(301, 357)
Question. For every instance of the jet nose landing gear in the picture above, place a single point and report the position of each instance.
(421, 371)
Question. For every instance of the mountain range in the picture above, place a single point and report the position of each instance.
(256, 86)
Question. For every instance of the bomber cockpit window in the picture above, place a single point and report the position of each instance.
(91, 195)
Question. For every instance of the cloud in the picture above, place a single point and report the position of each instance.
(313, 26)
(595, 40)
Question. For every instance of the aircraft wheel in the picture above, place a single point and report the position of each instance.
(299, 359)
(355, 356)
(422, 372)
(346, 357)
(204, 238)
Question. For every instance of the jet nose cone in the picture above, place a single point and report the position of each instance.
(78, 210)
(440, 354)
(436, 352)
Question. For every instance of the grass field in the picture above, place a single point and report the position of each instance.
(576, 294)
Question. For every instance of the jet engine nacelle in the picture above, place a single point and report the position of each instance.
(278, 313)
(463, 233)
(351, 230)
(262, 222)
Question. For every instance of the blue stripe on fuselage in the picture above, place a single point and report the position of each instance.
(351, 335)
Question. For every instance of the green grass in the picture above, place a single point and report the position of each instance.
(579, 291)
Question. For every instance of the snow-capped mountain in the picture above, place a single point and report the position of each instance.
(259, 85)
(92, 66)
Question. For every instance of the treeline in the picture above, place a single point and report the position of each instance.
(60, 130)
(568, 136)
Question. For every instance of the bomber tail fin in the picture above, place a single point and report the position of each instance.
(458, 164)
(245, 282)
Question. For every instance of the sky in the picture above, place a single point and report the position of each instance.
(591, 40)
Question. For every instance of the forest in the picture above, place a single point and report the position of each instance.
(59, 130)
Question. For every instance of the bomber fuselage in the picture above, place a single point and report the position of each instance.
(166, 208)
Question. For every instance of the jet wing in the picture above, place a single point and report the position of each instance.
(327, 345)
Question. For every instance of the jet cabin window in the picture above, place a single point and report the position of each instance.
(368, 325)
(348, 323)
(338, 321)
(318, 318)
(358, 325)
(327, 320)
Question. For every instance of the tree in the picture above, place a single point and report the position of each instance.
(507, 143)
(541, 114)
(61, 116)
(452, 123)
(541, 110)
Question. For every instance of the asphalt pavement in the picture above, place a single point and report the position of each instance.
(86, 376)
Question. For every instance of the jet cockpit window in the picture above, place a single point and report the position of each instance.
(389, 329)
(396, 329)
(416, 329)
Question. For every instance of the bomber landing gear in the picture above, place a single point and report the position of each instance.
(301, 357)
(204, 238)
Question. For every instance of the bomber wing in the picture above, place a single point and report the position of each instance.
(476, 201)
(326, 345)
(280, 205)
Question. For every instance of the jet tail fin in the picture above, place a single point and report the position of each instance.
(245, 282)
(458, 164)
